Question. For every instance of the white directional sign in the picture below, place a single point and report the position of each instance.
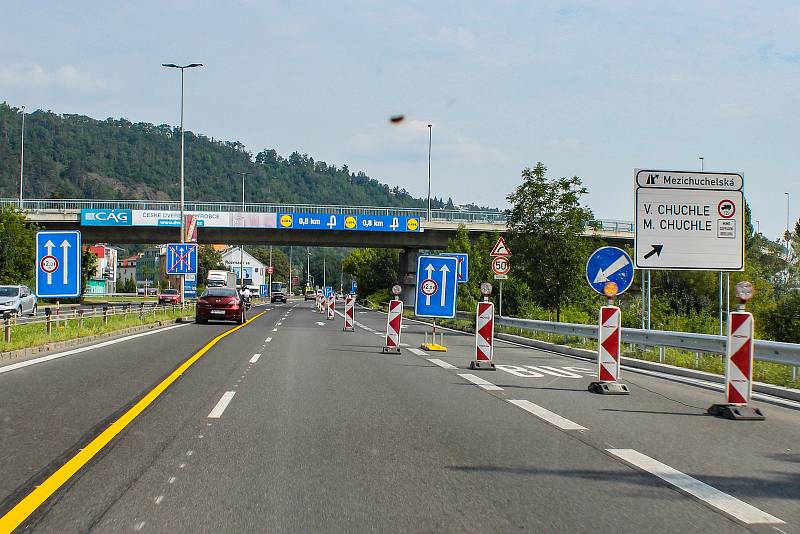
(689, 220)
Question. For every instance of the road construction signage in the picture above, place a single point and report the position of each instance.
(500, 265)
(609, 265)
(437, 286)
(500, 248)
(58, 263)
(689, 220)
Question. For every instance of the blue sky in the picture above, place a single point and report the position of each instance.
(593, 88)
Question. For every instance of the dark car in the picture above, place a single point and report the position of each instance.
(278, 296)
(169, 296)
(220, 303)
(310, 295)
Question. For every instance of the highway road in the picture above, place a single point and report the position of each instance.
(289, 424)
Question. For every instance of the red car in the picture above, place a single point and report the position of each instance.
(220, 303)
(169, 296)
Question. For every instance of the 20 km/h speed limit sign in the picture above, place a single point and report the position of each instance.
(500, 265)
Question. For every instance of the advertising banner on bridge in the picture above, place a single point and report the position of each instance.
(207, 219)
(345, 222)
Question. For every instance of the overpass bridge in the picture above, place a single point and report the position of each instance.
(409, 229)
(146, 221)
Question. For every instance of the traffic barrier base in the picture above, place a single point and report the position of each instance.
(736, 412)
(482, 365)
(609, 388)
(432, 345)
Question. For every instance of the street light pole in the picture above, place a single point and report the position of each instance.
(430, 140)
(787, 230)
(22, 157)
(241, 247)
(701, 163)
(183, 235)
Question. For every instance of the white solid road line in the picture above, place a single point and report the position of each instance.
(545, 414)
(255, 357)
(34, 361)
(480, 382)
(268, 340)
(441, 363)
(728, 505)
(418, 352)
(216, 413)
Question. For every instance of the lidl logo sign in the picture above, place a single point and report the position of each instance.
(349, 222)
(412, 225)
(286, 221)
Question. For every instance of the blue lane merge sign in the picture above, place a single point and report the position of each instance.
(58, 264)
(182, 258)
(463, 265)
(609, 264)
(263, 290)
(327, 292)
(354, 288)
(437, 287)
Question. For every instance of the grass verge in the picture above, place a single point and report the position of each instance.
(33, 335)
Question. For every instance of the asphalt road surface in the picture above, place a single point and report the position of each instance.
(289, 424)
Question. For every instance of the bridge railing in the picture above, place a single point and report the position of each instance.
(768, 351)
(458, 216)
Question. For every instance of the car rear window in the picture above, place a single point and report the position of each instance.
(220, 292)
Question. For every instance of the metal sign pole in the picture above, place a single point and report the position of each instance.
(721, 323)
(500, 307)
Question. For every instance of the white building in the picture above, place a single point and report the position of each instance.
(253, 269)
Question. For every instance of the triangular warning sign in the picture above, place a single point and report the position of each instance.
(500, 248)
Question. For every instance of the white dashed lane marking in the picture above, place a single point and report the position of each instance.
(255, 358)
(546, 415)
(218, 410)
(441, 363)
(480, 382)
(727, 504)
(418, 352)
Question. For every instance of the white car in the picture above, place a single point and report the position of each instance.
(17, 300)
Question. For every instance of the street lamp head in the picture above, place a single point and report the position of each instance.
(174, 66)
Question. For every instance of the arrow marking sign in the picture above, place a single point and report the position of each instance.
(603, 274)
(609, 264)
(436, 286)
(656, 250)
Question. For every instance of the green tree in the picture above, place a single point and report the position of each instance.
(546, 224)
(784, 320)
(208, 260)
(17, 247)
(374, 269)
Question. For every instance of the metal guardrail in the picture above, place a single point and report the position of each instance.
(486, 217)
(768, 351)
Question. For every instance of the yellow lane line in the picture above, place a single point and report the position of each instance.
(24, 508)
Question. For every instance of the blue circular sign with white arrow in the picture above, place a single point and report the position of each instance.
(609, 264)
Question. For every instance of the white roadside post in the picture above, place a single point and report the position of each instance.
(394, 322)
(739, 363)
(484, 332)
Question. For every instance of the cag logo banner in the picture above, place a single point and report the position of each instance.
(95, 217)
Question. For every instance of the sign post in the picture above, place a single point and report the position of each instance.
(739, 363)
(484, 332)
(394, 322)
(437, 289)
(500, 265)
(609, 272)
(58, 264)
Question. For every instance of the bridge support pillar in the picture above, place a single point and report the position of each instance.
(408, 276)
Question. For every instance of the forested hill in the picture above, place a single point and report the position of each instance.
(74, 156)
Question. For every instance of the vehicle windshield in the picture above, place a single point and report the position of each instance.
(9, 291)
(220, 292)
(170, 292)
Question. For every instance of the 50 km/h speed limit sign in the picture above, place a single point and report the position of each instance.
(500, 265)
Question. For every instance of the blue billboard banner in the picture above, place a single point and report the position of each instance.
(345, 222)
(94, 217)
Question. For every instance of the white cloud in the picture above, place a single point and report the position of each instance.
(36, 77)
(460, 37)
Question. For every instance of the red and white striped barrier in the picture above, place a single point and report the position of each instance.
(349, 304)
(331, 305)
(484, 336)
(394, 324)
(320, 303)
(739, 367)
(608, 353)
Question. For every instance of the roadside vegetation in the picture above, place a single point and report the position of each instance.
(547, 279)
(35, 334)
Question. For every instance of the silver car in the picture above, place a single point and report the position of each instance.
(18, 300)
